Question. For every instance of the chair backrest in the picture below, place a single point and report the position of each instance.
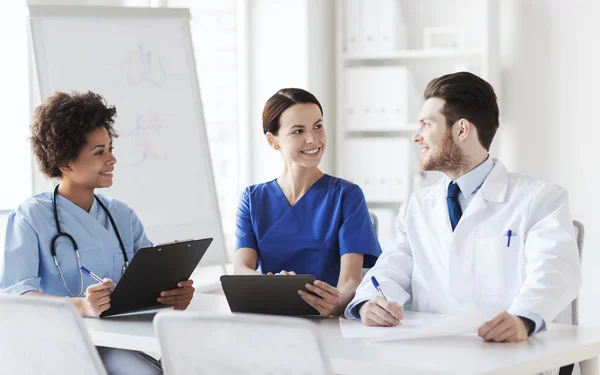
(44, 335)
(375, 222)
(580, 236)
(571, 314)
(196, 343)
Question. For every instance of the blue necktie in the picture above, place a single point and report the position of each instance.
(453, 206)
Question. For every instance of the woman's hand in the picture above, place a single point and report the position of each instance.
(97, 298)
(179, 298)
(283, 272)
(327, 300)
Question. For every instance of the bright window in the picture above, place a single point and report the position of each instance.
(15, 159)
(214, 35)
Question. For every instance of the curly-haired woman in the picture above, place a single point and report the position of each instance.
(71, 137)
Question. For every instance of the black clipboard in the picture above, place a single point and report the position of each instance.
(153, 270)
(268, 294)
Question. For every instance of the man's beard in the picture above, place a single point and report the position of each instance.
(450, 158)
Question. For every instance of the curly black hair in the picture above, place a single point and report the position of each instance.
(61, 124)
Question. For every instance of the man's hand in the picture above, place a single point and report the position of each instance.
(379, 312)
(504, 327)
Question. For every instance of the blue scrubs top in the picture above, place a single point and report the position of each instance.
(26, 262)
(331, 219)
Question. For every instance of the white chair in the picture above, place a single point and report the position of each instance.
(580, 236)
(44, 335)
(374, 222)
(571, 314)
(195, 343)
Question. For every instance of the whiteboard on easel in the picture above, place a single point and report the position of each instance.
(141, 60)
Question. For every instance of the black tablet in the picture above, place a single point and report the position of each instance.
(267, 294)
(153, 270)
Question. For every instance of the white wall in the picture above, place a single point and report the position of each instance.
(290, 45)
(550, 98)
(14, 148)
(38, 181)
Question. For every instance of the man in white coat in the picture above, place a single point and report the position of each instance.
(481, 235)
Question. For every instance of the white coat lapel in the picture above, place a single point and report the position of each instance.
(496, 184)
(439, 205)
(477, 204)
(493, 190)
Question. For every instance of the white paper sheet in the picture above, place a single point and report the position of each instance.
(355, 329)
(464, 321)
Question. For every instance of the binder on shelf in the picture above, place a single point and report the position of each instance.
(394, 87)
(368, 99)
(370, 32)
(352, 26)
(352, 116)
(373, 27)
(397, 169)
(356, 165)
(380, 166)
(392, 29)
(376, 98)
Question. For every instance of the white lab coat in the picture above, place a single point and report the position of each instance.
(437, 270)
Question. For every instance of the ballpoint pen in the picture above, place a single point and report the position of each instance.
(376, 285)
(91, 274)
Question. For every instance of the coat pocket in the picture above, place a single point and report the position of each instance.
(498, 265)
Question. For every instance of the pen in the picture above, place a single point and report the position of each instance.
(376, 285)
(509, 234)
(92, 275)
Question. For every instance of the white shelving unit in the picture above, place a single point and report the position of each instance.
(413, 54)
(399, 26)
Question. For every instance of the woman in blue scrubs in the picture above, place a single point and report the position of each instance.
(72, 140)
(305, 221)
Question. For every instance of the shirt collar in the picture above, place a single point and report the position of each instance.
(94, 208)
(470, 182)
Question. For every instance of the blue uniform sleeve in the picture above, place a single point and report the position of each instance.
(20, 257)
(357, 234)
(244, 232)
(140, 240)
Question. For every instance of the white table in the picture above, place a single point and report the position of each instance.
(466, 354)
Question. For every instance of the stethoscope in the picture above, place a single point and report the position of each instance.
(63, 234)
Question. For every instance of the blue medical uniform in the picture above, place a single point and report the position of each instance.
(28, 264)
(331, 219)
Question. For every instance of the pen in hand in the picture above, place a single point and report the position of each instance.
(92, 275)
(376, 285)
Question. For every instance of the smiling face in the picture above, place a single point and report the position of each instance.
(94, 165)
(301, 137)
(439, 150)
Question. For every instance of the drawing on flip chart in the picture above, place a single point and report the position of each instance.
(147, 138)
(145, 65)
